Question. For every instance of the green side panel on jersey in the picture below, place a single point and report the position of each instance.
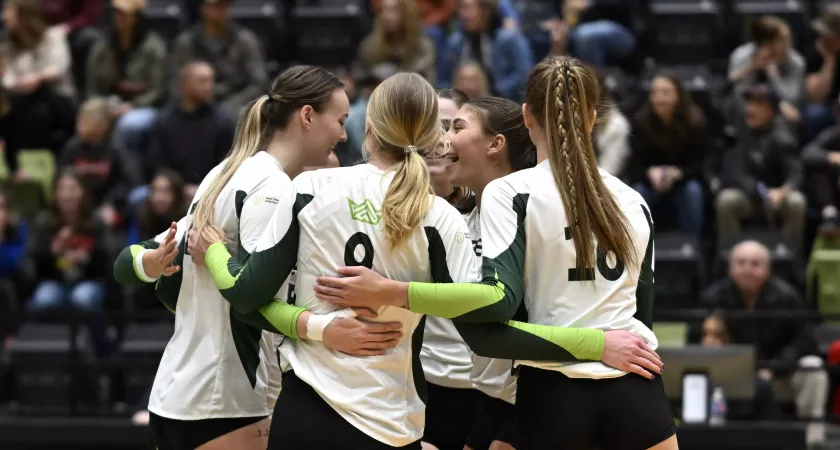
(251, 285)
(124, 270)
(495, 299)
(247, 341)
(644, 288)
(168, 288)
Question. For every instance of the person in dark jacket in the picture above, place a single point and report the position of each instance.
(669, 141)
(66, 246)
(750, 286)
(822, 162)
(193, 137)
(763, 172)
(130, 68)
(100, 161)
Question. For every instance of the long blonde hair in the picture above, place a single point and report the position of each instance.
(561, 95)
(402, 116)
(292, 90)
(411, 30)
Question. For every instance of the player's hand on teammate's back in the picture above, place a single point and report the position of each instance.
(628, 352)
(159, 261)
(359, 338)
(357, 287)
(195, 248)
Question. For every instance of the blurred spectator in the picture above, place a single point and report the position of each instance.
(503, 53)
(79, 20)
(471, 79)
(234, 52)
(592, 30)
(100, 162)
(37, 75)
(351, 151)
(750, 286)
(397, 39)
(129, 67)
(769, 58)
(765, 407)
(822, 84)
(822, 184)
(12, 246)
(763, 172)
(66, 247)
(669, 142)
(191, 137)
(612, 137)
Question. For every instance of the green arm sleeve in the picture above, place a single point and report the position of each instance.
(491, 300)
(124, 269)
(520, 340)
(277, 317)
(250, 285)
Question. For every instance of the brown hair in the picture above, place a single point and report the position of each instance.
(688, 118)
(561, 95)
(765, 29)
(403, 117)
(411, 30)
(31, 25)
(86, 205)
(293, 89)
(150, 221)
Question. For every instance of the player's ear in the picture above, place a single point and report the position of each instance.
(306, 114)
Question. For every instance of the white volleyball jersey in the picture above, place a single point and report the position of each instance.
(557, 293)
(215, 365)
(491, 376)
(334, 219)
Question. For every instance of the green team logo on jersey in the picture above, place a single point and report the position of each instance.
(364, 212)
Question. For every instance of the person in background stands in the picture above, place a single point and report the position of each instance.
(669, 141)
(822, 84)
(234, 52)
(763, 172)
(129, 67)
(471, 79)
(612, 137)
(37, 75)
(822, 161)
(193, 136)
(750, 286)
(397, 38)
(12, 246)
(100, 162)
(769, 58)
(66, 246)
(79, 20)
(502, 52)
(352, 152)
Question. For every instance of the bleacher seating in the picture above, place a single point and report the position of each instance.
(328, 36)
(686, 31)
(139, 355)
(166, 17)
(679, 271)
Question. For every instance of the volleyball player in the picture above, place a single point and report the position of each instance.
(582, 241)
(210, 388)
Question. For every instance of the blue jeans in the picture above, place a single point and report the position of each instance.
(594, 42)
(684, 201)
(133, 128)
(815, 118)
(86, 296)
(438, 36)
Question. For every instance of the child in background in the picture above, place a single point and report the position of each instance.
(102, 164)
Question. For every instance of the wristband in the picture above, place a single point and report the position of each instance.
(316, 325)
(138, 267)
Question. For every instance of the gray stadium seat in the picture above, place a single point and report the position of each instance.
(327, 36)
(139, 356)
(165, 17)
(686, 32)
(678, 271)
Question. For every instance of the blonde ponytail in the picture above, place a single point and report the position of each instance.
(562, 94)
(247, 141)
(407, 200)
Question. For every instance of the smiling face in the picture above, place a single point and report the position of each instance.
(326, 129)
(468, 149)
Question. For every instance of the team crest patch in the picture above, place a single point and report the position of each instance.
(365, 212)
(259, 199)
(459, 238)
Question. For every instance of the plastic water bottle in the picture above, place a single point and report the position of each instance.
(717, 416)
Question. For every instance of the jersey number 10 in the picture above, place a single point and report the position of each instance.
(588, 274)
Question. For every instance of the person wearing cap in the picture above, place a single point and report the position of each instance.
(769, 58)
(821, 158)
(762, 174)
(236, 54)
(129, 67)
(822, 84)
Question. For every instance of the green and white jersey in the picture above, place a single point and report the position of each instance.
(331, 219)
(492, 376)
(216, 363)
(530, 275)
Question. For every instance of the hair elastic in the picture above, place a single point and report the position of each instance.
(410, 149)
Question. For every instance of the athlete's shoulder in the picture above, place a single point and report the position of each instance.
(442, 212)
